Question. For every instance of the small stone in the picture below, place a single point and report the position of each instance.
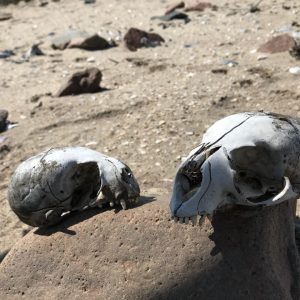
(278, 44)
(3, 119)
(79, 39)
(6, 53)
(87, 81)
(136, 38)
(91, 59)
(295, 51)
(295, 70)
(174, 15)
(33, 51)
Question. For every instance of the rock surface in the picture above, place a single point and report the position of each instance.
(87, 81)
(141, 254)
(136, 38)
(278, 44)
(79, 39)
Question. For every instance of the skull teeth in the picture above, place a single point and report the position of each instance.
(123, 204)
(190, 220)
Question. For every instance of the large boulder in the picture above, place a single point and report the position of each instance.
(141, 254)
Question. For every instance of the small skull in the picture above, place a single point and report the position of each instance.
(245, 159)
(55, 182)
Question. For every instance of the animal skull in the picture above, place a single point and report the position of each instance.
(246, 159)
(61, 180)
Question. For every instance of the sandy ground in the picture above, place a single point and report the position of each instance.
(158, 102)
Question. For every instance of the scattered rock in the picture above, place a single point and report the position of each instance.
(278, 44)
(33, 51)
(219, 71)
(3, 119)
(6, 53)
(295, 70)
(5, 16)
(87, 81)
(261, 72)
(200, 6)
(136, 38)
(174, 6)
(295, 51)
(79, 39)
(174, 15)
(230, 63)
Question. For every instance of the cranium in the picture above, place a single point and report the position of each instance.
(58, 181)
(246, 159)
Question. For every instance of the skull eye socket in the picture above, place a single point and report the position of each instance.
(253, 187)
(126, 175)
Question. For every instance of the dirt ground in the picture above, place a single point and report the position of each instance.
(158, 102)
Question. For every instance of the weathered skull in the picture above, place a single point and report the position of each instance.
(246, 159)
(57, 181)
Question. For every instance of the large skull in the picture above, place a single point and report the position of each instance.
(55, 182)
(246, 159)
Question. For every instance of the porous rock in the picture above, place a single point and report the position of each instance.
(141, 254)
(280, 43)
(136, 38)
(87, 81)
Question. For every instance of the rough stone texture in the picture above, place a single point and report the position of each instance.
(136, 38)
(87, 81)
(3, 119)
(278, 44)
(141, 254)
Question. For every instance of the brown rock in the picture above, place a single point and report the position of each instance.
(87, 81)
(244, 253)
(91, 43)
(200, 6)
(172, 7)
(79, 39)
(136, 38)
(278, 44)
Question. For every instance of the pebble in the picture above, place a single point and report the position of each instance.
(295, 70)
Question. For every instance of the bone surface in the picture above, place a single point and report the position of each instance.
(47, 186)
(246, 159)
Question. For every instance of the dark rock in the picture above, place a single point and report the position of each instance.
(89, 1)
(200, 6)
(33, 51)
(87, 81)
(5, 16)
(6, 53)
(278, 44)
(174, 15)
(91, 43)
(174, 6)
(136, 38)
(295, 51)
(79, 39)
(3, 119)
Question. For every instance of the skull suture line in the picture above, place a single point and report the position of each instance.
(246, 159)
(57, 181)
